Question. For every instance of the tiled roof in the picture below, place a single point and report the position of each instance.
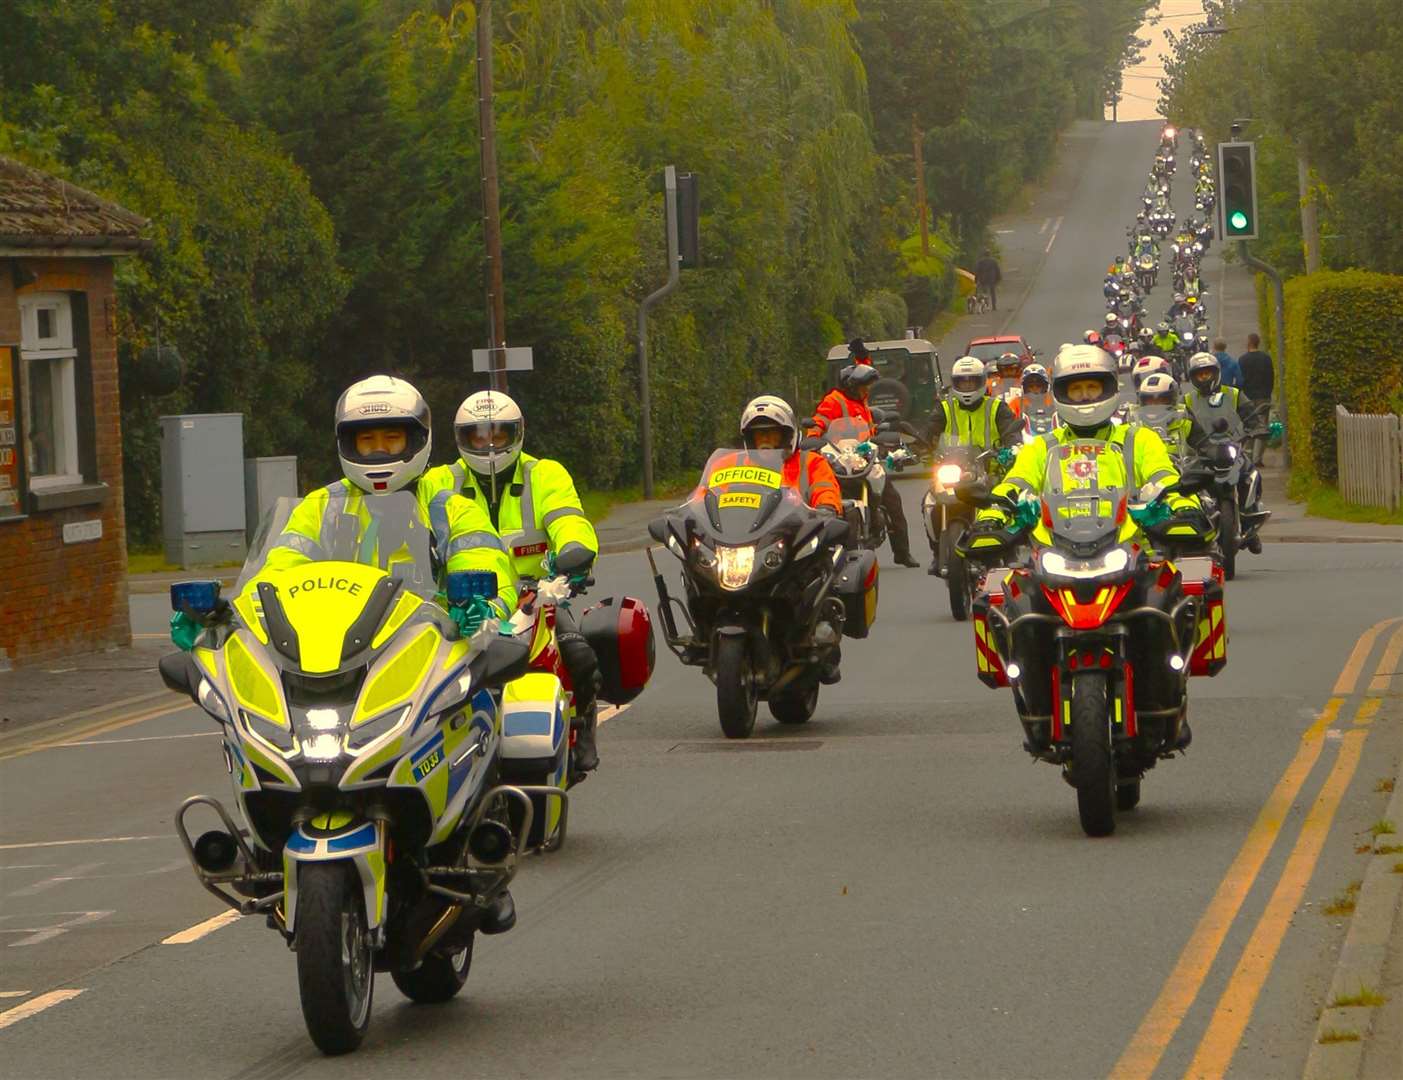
(40, 210)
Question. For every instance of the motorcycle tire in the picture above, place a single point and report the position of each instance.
(736, 698)
(1229, 537)
(796, 703)
(1093, 768)
(335, 964)
(1127, 795)
(438, 978)
(956, 575)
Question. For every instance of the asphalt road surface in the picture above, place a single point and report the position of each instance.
(891, 890)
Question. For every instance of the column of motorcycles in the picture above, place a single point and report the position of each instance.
(389, 774)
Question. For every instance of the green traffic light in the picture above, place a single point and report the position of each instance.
(1238, 220)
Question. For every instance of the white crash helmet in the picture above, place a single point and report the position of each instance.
(1112, 320)
(1158, 388)
(1147, 366)
(489, 430)
(770, 411)
(383, 401)
(968, 370)
(1036, 371)
(1085, 362)
(1201, 363)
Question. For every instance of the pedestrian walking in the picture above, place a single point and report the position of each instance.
(987, 276)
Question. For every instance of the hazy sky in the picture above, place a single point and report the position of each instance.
(1140, 89)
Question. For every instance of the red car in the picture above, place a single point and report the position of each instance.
(991, 348)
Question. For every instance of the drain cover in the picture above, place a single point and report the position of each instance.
(737, 746)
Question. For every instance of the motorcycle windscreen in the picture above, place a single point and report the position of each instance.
(1084, 494)
(741, 490)
(846, 430)
(385, 532)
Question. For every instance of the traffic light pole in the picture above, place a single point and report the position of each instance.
(673, 274)
(1280, 295)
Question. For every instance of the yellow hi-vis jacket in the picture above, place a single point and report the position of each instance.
(463, 538)
(1116, 450)
(539, 511)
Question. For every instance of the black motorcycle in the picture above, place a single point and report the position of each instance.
(947, 517)
(1236, 485)
(771, 586)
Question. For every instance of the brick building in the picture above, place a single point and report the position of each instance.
(63, 551)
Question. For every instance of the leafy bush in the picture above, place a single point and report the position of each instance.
(1344, 345)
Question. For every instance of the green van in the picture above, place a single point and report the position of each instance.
(910, 368)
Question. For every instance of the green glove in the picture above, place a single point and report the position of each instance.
(1151, 514)
(1275, 429)
(185, 630)
(1027, 514)
(472, 615)
(864, 447)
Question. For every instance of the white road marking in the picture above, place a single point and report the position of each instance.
(96, 840)
(38, 1005)
(13, 993)
(1046, 223)
(29, 866)
(142, 738)
(57, 879)
(1003, 232)
(1052, 239)
(40, 934)
(610, 711)
(200, 929)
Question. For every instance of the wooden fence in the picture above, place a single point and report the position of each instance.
(1369, 452)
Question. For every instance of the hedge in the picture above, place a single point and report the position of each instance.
(1344, 345)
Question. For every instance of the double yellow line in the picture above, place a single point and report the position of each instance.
(1234, 1009)
(85, 729)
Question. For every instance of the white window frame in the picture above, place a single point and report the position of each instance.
(60, 355)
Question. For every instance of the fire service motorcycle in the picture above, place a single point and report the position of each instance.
(539, 720)
(363, 737)
(770, 585)
(1091, 621)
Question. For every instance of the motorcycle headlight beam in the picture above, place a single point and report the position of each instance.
(734, 565)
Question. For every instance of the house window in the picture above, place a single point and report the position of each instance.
(49, 356)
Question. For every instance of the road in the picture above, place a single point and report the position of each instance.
(892, 890)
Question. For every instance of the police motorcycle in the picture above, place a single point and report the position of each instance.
(538, 709)
(770, 587)
(1146, 268)
(947, 517)
(1092, 616)
(363, 738)
(1236, 484)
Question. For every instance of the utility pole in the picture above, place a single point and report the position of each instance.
(920, 186)
(1310, 222)
(674, 268)
(491, 206)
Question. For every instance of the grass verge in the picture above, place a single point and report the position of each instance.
(597, 504)
(1325, 501)
(1363, 998)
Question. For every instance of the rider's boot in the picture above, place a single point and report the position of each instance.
(500, 915)
(584, 755)
(829, 673)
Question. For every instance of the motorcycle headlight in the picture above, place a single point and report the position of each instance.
(1188, 336)
(324, 747)
(212, 703)
(948, 475)
(1055, 564)
(267, 730)
(734, 565)
(364, 734)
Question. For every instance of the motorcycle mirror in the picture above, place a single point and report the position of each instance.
(1191, 483)
(888, 439)
(974, 493)
(506, 659)
(810, 442)
(179, 674)
(835, 530)
(657, 529)
(574, 560)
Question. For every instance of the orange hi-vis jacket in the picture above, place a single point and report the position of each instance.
(836, 405)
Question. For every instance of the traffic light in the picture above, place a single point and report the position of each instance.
(1237, 199)
(688, 221)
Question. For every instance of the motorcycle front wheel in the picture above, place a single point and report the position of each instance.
(335, 968)
(1229, 536)
(736, 697)
(1093, 770)
(956, 575)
